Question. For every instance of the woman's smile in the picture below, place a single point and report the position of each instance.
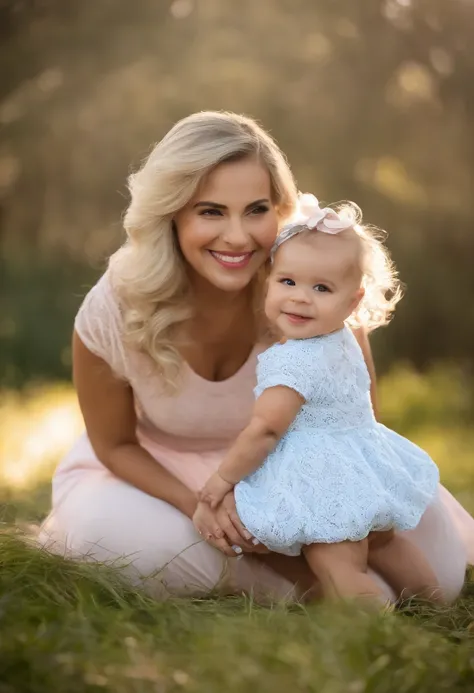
(232, 260)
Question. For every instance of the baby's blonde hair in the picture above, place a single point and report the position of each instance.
(148, 272)
(378, 275)
(382, 287)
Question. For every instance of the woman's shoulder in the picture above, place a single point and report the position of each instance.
(99, 323)
(100, 303)
(103, 292)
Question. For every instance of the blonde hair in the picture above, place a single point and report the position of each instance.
(382, 288)
(148, 271)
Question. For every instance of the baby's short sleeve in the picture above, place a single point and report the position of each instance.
(293, 364)
(99, 325)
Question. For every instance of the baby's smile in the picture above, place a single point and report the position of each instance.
(313, 287)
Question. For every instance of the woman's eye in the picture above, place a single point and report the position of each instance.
(287, 282)
(321, 288)
(210, 213)
(261, 209)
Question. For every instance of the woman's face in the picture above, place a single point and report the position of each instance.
(227, 230)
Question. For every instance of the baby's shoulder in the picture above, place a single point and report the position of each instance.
(292, 350)
(323, 347)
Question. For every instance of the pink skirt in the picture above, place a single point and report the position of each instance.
(98, 516)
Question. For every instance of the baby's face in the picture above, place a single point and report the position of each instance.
(314, 285)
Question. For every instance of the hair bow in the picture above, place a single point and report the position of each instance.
(312, 216)
(309, 215)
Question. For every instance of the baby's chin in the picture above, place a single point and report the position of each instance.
(299, 332)
(305, 331)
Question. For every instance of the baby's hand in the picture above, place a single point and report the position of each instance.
(214, 490)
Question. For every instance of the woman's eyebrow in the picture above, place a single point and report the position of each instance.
(264, 200)
(204, 203)
(217, 205)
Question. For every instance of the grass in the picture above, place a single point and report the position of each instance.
(74, 628)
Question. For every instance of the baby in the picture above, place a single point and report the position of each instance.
(314, 472)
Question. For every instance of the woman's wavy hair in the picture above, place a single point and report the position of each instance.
(148, 272)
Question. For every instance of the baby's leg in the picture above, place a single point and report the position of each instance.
(342, 570)
(403, 566)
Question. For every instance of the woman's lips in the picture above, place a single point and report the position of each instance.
(232, 260)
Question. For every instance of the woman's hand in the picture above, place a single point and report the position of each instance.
(222, 528)
(214, 490)
(207, 525)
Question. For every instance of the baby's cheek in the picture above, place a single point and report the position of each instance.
(337, 311)
(271, 305)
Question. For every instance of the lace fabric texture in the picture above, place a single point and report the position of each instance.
(337, 474)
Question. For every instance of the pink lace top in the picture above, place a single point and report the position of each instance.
(202, 416)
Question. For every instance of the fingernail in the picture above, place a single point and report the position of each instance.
(247, 536)
(236, 549)
(239, 558)
(255, 541)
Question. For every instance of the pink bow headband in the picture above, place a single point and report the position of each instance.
(309, 215)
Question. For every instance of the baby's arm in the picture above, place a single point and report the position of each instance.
(274, 411)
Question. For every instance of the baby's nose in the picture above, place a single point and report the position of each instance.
(302, 295)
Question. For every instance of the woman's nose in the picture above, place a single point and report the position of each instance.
(235, 234)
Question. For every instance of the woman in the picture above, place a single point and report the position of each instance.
(165, 349)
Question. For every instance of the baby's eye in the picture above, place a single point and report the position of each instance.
(321, 288)
(287, 281)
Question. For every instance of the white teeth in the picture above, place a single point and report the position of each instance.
(230, 258)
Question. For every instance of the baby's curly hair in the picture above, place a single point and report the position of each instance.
(380, 281)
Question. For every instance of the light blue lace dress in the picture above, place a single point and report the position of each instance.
(336, 474)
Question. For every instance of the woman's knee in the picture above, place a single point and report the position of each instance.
(152, 543)
(438, 539)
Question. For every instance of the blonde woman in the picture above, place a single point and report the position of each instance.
(165, 348)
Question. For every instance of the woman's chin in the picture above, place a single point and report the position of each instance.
(231, 284)
(230, 280)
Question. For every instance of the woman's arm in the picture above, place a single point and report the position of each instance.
(107, 406)
(362, 337)
(274, 411)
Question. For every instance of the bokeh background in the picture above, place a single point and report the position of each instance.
(372, 100)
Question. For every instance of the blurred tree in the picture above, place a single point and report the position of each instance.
(372, 100)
